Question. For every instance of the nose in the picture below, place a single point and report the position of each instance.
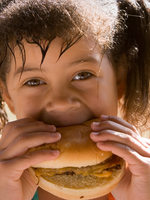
(61, 101)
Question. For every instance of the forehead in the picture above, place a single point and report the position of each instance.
(85, 49)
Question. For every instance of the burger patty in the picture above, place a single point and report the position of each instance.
(90, 176)
(76, 181)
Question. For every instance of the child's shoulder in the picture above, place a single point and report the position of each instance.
(110, 197)
(35, 196)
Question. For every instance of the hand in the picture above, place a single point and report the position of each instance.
(121, 138)
(17, 138)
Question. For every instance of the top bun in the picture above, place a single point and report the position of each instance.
(76, 148)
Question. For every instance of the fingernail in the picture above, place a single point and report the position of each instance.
(52, 127)
(100, 144)
(55, 152)
(96, 123)
(58, 135)
(104, 117)
(95, 133)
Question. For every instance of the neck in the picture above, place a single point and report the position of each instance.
(43, 195)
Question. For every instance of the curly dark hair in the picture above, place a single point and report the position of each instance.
(120, 27)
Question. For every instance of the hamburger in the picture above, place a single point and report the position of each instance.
(82, 171)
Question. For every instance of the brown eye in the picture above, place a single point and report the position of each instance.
(83, 76)
(34, 82)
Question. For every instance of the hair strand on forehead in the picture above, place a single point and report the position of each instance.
(69, 44)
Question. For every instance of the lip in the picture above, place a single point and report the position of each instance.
(63, 122)
(63, 119)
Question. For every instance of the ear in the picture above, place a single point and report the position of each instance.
(121, 89)
(6, 97)
(121, 78)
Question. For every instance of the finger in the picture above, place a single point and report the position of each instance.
(119, 121)
(13, 131)
(137, 164)
(147, 141)
(12, 124)
(15, 167)
(9, 130)
(128, 154)
(108, 124)
(27, 141)
(111, 125)
(109, 135)
(118, 125)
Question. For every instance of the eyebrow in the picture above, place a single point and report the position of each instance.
(28, 68)
(90, 58)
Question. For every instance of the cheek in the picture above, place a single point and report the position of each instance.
(27, 106)
(103, 99)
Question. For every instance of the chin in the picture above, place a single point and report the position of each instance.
(82, 171)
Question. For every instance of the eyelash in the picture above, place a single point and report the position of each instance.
(82, 73)
(36, 82)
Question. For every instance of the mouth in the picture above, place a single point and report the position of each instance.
(63, 122)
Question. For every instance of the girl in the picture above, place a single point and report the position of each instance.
(65, 62)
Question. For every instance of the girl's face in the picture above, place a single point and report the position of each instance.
(78, 86)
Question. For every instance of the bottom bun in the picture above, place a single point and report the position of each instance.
(105, 186)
